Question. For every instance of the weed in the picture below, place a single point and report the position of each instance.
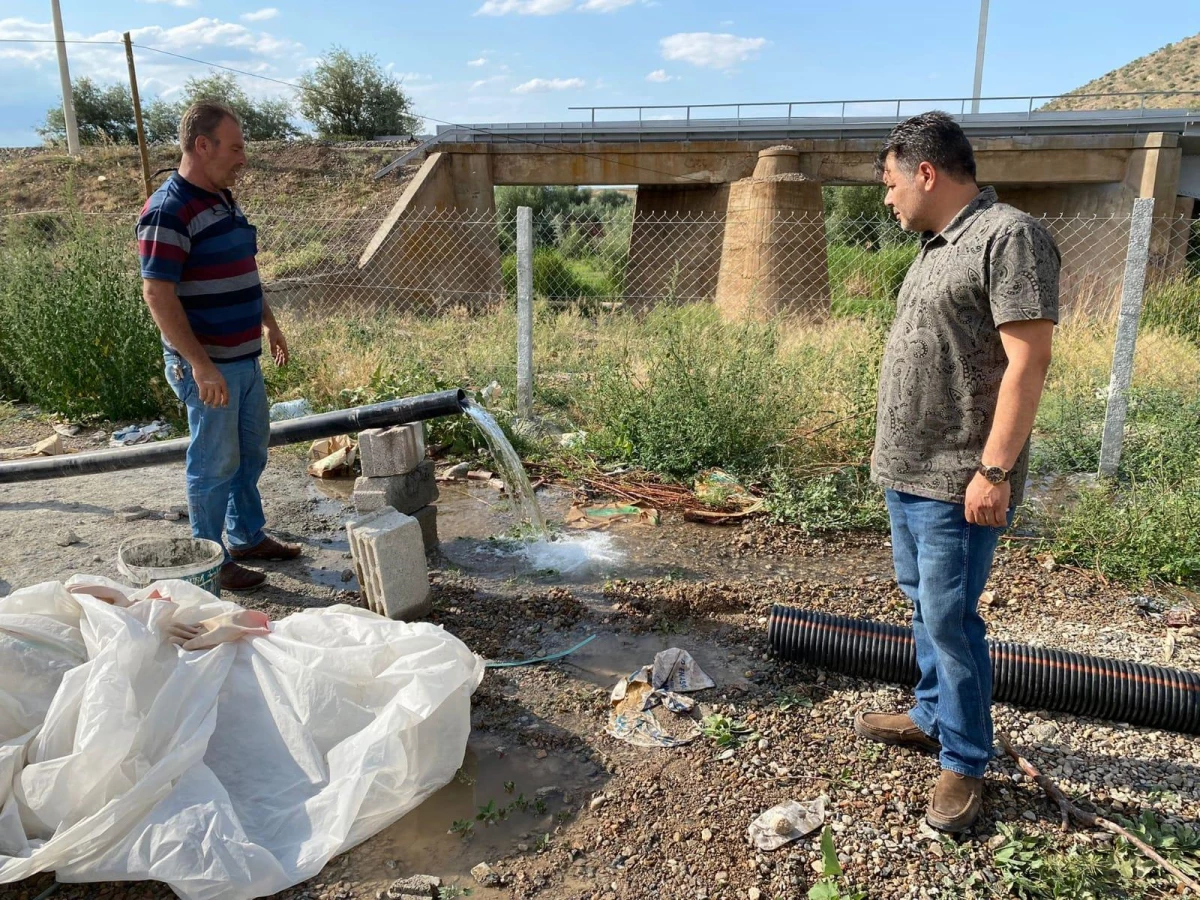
(463, 827)
(827, 888)
(726, 733)
(539, 806)
(509, 787)
(789, 700)
(489, 814)
(543, 843)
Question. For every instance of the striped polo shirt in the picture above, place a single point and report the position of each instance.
(202, 243)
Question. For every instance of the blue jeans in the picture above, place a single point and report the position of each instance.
(227, 454)
(942, 565)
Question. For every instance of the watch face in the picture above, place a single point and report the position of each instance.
(994, 474)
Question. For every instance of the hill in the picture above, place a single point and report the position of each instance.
(1176, 67)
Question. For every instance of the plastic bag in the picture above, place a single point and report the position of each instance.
(232, 772)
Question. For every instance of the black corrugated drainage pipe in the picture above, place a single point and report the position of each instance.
(290, 431)
(1035, 677)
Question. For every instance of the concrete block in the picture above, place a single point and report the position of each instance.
(403, 493)
(389, 558)
(391, 451)
(427, 517)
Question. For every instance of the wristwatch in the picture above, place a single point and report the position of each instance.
(994, 474)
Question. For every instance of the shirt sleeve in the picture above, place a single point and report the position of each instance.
(1023, 266)
(163, 244)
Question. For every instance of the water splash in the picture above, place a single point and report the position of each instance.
(511, 470)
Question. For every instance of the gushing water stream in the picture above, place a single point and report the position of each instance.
(511, 470)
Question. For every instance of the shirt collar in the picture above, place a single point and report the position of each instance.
(951, 233)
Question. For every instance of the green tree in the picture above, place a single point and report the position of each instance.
(104, 115)
(347, 96)
(262, 120)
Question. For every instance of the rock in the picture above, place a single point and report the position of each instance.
(66, 538)
(754, 893)
(132, 513)
(706, 835)
(541, 754)
(484, 875)
(597, 801)
(415, 886)
(1045, 732)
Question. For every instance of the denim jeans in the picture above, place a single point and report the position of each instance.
(942, 565)
(227, 454)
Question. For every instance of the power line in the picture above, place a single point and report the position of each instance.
(475, 129)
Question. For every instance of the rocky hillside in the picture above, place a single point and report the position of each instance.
(1176, 67)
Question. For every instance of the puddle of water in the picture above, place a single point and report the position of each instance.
(333, 578)
(590, 553)
(614, 656)
(326, 500)
(511, 469)
(422, 843)
(335, 488)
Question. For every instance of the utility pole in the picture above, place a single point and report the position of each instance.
(980, 44)
(65, 75)
(137, 114)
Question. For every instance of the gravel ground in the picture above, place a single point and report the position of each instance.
(618, 821)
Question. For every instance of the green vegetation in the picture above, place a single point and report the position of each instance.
(348, 97)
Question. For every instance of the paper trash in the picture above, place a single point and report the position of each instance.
(787, 822)
(633, 700)
(332, 456)
(232, 772)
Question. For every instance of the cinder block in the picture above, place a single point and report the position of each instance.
(389, 557)
(427, 517)
(403, 493)
(391, 451)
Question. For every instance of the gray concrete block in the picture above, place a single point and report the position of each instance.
(389, 558)
(391, 451)
(427, 517)
(403, 493)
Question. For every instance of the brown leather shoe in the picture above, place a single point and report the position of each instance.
(267, 548)
(238, 578)
(893, 729)
(955, 803)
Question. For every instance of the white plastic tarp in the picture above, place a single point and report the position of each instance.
(232, 772)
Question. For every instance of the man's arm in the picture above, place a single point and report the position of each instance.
(275, 339)
(1027, 345)
(172, 321)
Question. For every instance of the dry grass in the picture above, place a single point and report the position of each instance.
(1175, 67)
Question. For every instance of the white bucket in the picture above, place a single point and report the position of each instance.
(145, 559)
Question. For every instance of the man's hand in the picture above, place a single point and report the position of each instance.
(987, 503)
(277, 343)
(211, 385)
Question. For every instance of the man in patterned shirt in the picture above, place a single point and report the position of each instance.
(962, 376)
(200, 281)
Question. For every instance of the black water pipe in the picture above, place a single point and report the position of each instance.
(289, 431)
(1036, 677)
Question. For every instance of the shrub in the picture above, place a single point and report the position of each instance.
(75, 336)
(1174, 306)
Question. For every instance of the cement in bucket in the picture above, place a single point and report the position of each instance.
(146, 559)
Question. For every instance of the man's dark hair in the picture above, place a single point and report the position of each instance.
(931, 137)
(202, 119)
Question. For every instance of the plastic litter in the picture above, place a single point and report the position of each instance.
(606, 515)
(232, 772)
(787, 822)
(634, 699)
(290, 409)
(139, 434)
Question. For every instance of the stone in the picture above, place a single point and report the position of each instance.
(132, 513)
(597, 801)
(484, 875)
(403, 493)
(426, 516)
(415, 886)
(389, 558)
(754, 893)
(391, 451)
(66, 538)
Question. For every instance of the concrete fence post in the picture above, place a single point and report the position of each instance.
(1137, 257)
(524, 312)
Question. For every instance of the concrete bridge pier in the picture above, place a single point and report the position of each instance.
(773, 258)
(437, 248)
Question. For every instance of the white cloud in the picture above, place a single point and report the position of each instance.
(605, 6)
(261, 15)
(180, 3)
(542, 85)
(484, 82)
(524, 7)
(714, 51)
(476, 63)
(660, 76)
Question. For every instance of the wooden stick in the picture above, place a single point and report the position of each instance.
(1091, 820)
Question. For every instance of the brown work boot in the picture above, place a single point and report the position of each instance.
(238, 578)
(267, 548)
(955, 803)
(893, 729)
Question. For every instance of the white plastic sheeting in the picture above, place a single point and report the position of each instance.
(232, 772)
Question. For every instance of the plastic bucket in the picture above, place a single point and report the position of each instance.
(146, 559)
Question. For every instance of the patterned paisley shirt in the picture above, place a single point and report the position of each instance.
(943, 361)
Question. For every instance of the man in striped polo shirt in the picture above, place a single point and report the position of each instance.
(200, 281)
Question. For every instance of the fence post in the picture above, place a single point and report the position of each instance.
(1137, 257)
(524, 312)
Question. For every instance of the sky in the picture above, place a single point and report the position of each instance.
(476, 61)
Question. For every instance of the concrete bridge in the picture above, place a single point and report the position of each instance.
(756, 170)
